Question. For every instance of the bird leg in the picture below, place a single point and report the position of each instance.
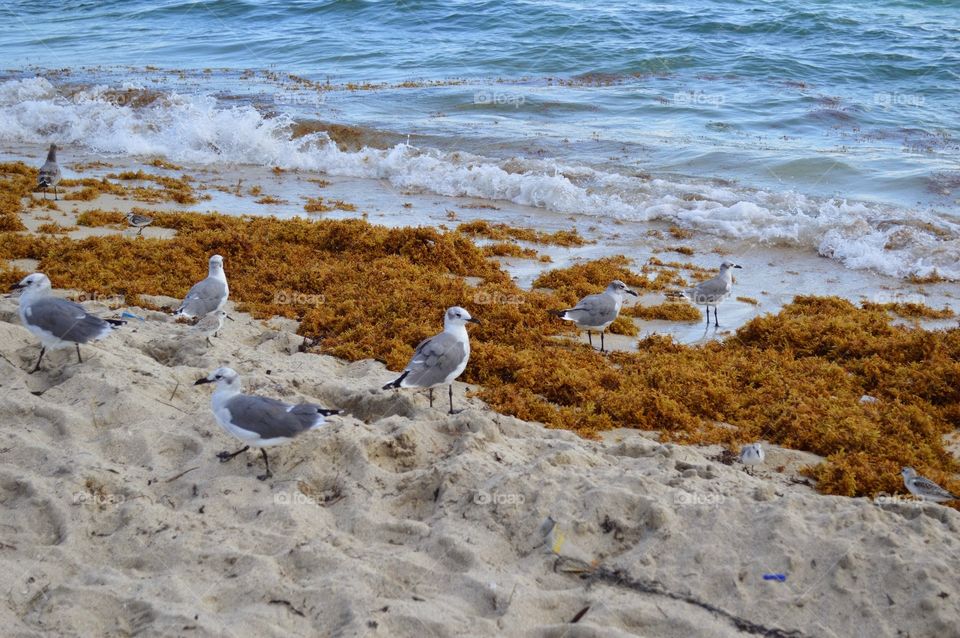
(708, 315)
(79, 358)
(601, 342)
(590, 338)
(716, 319)
(37, 367)
(140, 232)
(452, 411)
(55, 195)
(266, 461)
(226, 456)
(430, 394)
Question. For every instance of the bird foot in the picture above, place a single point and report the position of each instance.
(264, 477)
(224, 456)
(454, 412)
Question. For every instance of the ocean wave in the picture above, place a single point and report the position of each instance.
(199, 130)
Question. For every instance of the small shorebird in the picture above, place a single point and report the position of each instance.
(712, 291)
(57, 322)
(210, 325)
(139, 221)
(597, 312)
(441, 358)
(751, 455)
(208, 295)
(258, 421)
(49, 175)
(924, 488)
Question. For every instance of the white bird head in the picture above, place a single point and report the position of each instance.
(33, 282)
(223, 377)
(216, 263)
(619, 288)
(908, 473)
(727, 265)
(457, 316)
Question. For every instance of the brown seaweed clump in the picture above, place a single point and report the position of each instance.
(319, 205)
(365, 291)
(505, 232)
(16, 182)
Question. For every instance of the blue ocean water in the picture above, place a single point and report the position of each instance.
(798, 119)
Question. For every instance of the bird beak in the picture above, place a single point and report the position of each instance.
(632, 293)
(202, 381)
(737, 266)
(228, 317)
(16, 286)
(472, 320)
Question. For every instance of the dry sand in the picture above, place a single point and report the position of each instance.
(399, 520)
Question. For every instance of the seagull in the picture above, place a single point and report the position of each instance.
(208, 295)
(597, 312)
(49, 175)
(57, 322)
(210, 325)
(924, 488)
(712, 291)
(441, 358)
(258, 421)
(139, 221)
(752, 454)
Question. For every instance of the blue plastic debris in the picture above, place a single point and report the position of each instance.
(129, 315)
(777, 577)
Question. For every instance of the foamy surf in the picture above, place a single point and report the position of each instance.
(200, 130)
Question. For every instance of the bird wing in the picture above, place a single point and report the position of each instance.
(709, 291)
(49, 174)
(204, 297)
(65, 320)
(434, 360)
(930, 487)
(270, 418)
(593, 310)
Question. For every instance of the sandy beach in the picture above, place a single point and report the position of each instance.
(397, 519)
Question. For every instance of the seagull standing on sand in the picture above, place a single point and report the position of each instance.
(752, 454)
(924, 488)
(210, 325)
(49, 175)
(139, 221)
(208, 295)
(58, 323)
(712, 291)
(597, 312)
(441, 358)
(258, 421)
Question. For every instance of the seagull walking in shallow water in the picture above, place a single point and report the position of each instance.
(441, 358)
(924, 488)
(597, 312)
(208, 295)
(258, 421)
(712, 291)
(49, 175)
(58, 323)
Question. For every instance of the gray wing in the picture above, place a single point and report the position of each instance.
(270, 418)
(66, 320)
(433, 361)
(203, 298)
(49, 174)
(927, 486)
(593, 310)
(710, 291)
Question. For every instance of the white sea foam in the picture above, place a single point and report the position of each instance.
(199, 130)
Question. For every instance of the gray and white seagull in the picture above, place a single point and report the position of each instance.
(712, 291)
(597, 312)
(924, 488)
(258, 421)
(208, 295)
(441, 358)
(58, 323)
(49, 175)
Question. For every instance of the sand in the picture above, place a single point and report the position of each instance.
(396, 519)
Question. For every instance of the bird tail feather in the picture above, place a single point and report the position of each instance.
(396, 382)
